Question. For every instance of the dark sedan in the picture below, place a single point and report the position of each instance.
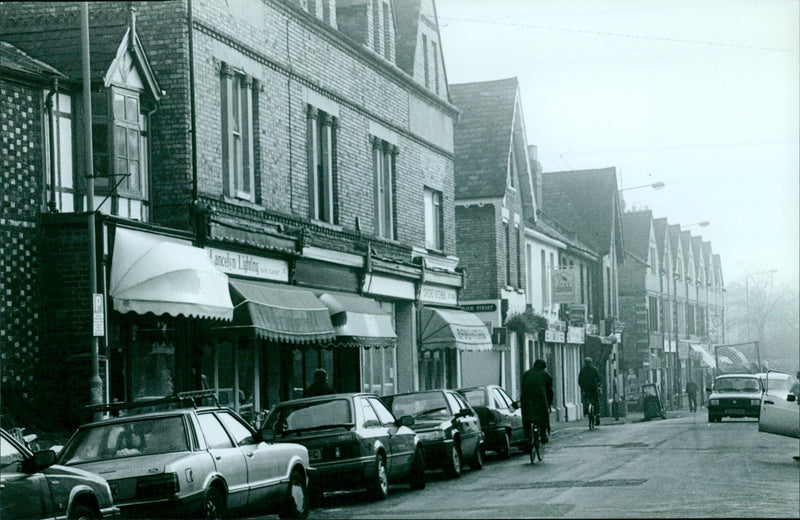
(501, 419)
(33, 486)
(448, 427)
(353, 442)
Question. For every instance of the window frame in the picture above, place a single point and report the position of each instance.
(433, 199)
(320, 147)
(238, 113)
(383, 165)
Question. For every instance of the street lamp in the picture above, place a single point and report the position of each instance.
(656, 186)
(702, 223)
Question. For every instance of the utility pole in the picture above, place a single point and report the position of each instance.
(95, 383)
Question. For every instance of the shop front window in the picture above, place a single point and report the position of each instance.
(378, 370)
(233, 373)
(152, 361)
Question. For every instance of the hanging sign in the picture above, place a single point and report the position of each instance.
(564, 285)
(98, 316)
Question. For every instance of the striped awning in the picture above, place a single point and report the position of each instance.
(281, 313)
(359, 321)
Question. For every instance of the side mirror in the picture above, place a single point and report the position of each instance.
(708, 389)
(515, 405)
(405, 420)
(267, 435)
(40, 460)
(791, 398)
(464, 412)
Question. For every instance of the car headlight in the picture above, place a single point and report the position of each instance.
(755, 402)
(713, 402)
(434, 435)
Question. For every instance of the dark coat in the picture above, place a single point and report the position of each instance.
(318, 388)
(588, 379)
(537, 396)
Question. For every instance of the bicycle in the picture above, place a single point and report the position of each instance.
(537, 448)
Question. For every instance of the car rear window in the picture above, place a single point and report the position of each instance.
(126, 439)
(427, 405)
(314, 415)
(476, 397)
(737, 384)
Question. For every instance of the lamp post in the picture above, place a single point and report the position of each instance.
(747, 307)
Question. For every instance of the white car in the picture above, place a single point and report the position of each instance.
(780, 409)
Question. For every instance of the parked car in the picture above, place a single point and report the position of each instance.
(33, 486)
(734, 395)
(779, 382)
(353, 440)
(780, 409)
(200, 461)
(448, 427)
(500, 417)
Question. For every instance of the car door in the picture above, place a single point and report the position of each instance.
(228, 458)
(401, 440)
(262, 465)
(511, 416)
(468, 423)
(778, 415)
(22, 495)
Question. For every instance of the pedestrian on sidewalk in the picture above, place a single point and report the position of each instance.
(691, 393)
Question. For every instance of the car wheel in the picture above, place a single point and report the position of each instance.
(81, 512)
(379, 487)
(296, 502)
(213, 506)
(477, 460)
(416, 479)
(505, 447)
(453, 468)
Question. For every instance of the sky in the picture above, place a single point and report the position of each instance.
(702, 95)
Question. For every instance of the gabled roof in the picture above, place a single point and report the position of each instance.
(586, 201)
(697, 250)
(406, 13)
(14, 59)
(636, 228)
(718, 270)
(483, 136)
(686, 238)
(660, 228)
(551, 228)
(674, 241)
(60, 46)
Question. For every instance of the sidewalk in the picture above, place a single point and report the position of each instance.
(630, 417)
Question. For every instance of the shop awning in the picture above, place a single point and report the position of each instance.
(166, 276)
(281, 313)
(707, 358)
(445, 328)
(599, 348)
(359, 321)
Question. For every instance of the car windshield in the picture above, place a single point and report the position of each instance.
(475, 397)
(126, 439)
(310, 416)
(737, 384)
(423, 405)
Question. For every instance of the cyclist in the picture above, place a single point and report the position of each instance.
(535, 399)
(589, 381)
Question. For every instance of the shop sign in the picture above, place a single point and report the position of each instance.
(479, 307)
(575, 335)
(591, 328)
(499, 335)
(98, 316)
(564, 286)
(553, 336)
(438, 294)
(242, 264)
(557, 326)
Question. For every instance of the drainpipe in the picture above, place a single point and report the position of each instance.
(51, 128)
(190, 20)
(95, 383)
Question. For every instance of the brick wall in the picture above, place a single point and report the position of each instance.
(20, 263)
(479, 245)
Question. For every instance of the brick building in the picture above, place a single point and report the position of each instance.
(493, 192)
(274, 183)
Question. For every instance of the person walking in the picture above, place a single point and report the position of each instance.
(691, 393)
(320, 385)
(536, 397)
(589, 381)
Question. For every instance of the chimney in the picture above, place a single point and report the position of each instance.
(536, 171)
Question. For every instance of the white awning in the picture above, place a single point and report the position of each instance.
(359, 321)
(166, 276)
(445, 328)
(707, 358)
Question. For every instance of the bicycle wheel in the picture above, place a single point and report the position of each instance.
(590, 414)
